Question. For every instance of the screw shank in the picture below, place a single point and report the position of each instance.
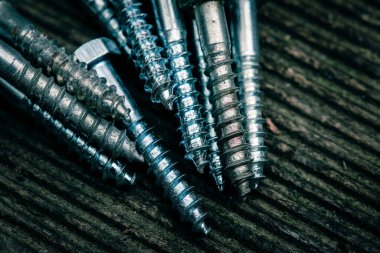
(212, 27)
(244, 32)
(169, 20)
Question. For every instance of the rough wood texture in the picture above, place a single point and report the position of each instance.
(321, 68)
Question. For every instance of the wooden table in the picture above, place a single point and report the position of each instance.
(321, 68)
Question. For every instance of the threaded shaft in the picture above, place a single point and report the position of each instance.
(54, 99)
(103, 11)
(246, 53)
(84, 84)
(189, 109)
(98, 161)
(78, 80)
(250, 94)
(168, 177)
(145, 52)
(214, 151)
(226, 106)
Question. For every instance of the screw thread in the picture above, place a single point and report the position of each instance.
(145, 52)
(163, 167)
(103, 11)
(215, 163)
(54, 99)
(98, 161)
(189, 109)
(86, 85)
(226, 111)
(250, 94)
(216, 47)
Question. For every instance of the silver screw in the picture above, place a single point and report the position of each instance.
(98, 161)
(84, 84)
(214, 151)
(106, 15)
(215, 42)
(173, 34)
(15, 69)
(145, 52)
(246, 54)
(160, 162)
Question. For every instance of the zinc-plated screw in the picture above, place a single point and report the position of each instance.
(246, 54)
(160, 162)
(214, 151)
(215, 42)
(84, 84)
(145, 52)
(173, 34)
(15, 69)
(98, 161)
(106, 15)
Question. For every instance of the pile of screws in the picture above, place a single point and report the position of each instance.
(83, 100)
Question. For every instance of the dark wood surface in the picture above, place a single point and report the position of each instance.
(321, 68)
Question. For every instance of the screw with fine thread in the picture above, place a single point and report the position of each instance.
(98, 161)
(54, 99)
(215, 42)
(84, 84)
(95, 54)
(173, 34)
(245, 39)
(214, 151)
(145, 52)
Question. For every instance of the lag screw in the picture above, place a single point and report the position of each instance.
(84, 84)
(245, 51)
(145, 53)
(215, 42)
(215, 163)
(15, 69)
(172, 31)
(165, 169)
(109, 167)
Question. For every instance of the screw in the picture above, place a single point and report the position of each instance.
(106, 15)
(246, 54)
(54, 99)
(90, 154)
(215, 42)
(145, 53)
(37, 47)
(160, 162)
(173, 34)
(214, 151)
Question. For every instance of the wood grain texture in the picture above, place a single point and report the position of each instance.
(321, 67)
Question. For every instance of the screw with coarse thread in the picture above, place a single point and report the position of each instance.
(145, 52)
(214, 151)
(84, 84)
(244, 33)
(54, 99)
(173, 34)
(96, 54)
(215, 42)
(98, 161)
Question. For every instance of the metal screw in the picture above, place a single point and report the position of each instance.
(160, 162)
(145, 52)
(173, 34)
(215, 42)
(214, 151)
(84, 84)
(42, 90)
(246, 54)
(98, 161)
(106, 15)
